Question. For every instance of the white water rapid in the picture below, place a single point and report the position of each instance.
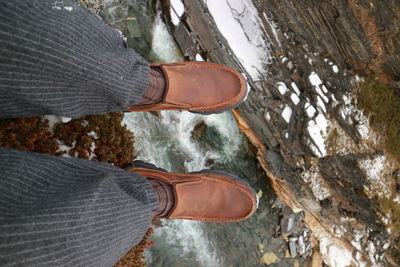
(166, 142)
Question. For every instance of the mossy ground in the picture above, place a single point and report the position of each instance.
(113, 144)
(383, 108)
(382, 104)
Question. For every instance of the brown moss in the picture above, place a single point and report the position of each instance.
(29, 134)
(134, 257)
(113, 144)
(383, 108)
(113, 141)
(391, 209)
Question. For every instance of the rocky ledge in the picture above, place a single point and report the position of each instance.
(317, 147)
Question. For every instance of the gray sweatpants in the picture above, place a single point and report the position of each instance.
(57, 58)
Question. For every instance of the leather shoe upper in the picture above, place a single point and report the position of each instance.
(210, 197)
(198, 87)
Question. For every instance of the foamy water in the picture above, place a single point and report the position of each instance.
(159, 141)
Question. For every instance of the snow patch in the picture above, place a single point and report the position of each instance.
(199, 57)
(352, 115)
(335, 69)
(319, 188)
(282, 88)
(273, 28)
(65, 119)
(314, 79)
(310, 110)
(62, 147)
(334, 255)
(295, 98)
(376, 171)
(93, 134)
(287, 113)
(52, 120)
(176, 11)
(239, 23)
(175, 19)
(178, 7)
(68, 8)
(295, 88)
(317, 130)
(321, 103)
(92, 155)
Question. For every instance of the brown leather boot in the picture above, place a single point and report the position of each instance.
(210, 196)
(200, 87)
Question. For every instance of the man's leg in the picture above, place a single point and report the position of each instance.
(57, 58)
(69, 212)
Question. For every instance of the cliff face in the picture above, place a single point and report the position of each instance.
(318, 149)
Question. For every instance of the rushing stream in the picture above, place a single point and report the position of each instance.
(166, 140)
(324, 161)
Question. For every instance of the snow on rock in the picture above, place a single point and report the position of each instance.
(316, 82)
(295, 88)
(65, 119)
(282, 88)
(53, 120)
(287, 113)
(378, 171)
(199, 57)
(174, 18)
(62, 147)
(317, 130)
(317, 184)
(321, 103)
(352, 115)
(334, 255)
(310, 110)
(295, 98)
(93, 134)
(273, 28)
(314, 79)
(178, 7)
(92, 155)
(177, 10)
(239, 23)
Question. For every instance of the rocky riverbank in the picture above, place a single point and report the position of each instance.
(317, 147)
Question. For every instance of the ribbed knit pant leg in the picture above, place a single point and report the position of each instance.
(57, 58)
(69, 212)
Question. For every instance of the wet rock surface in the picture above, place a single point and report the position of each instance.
(317, 148)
